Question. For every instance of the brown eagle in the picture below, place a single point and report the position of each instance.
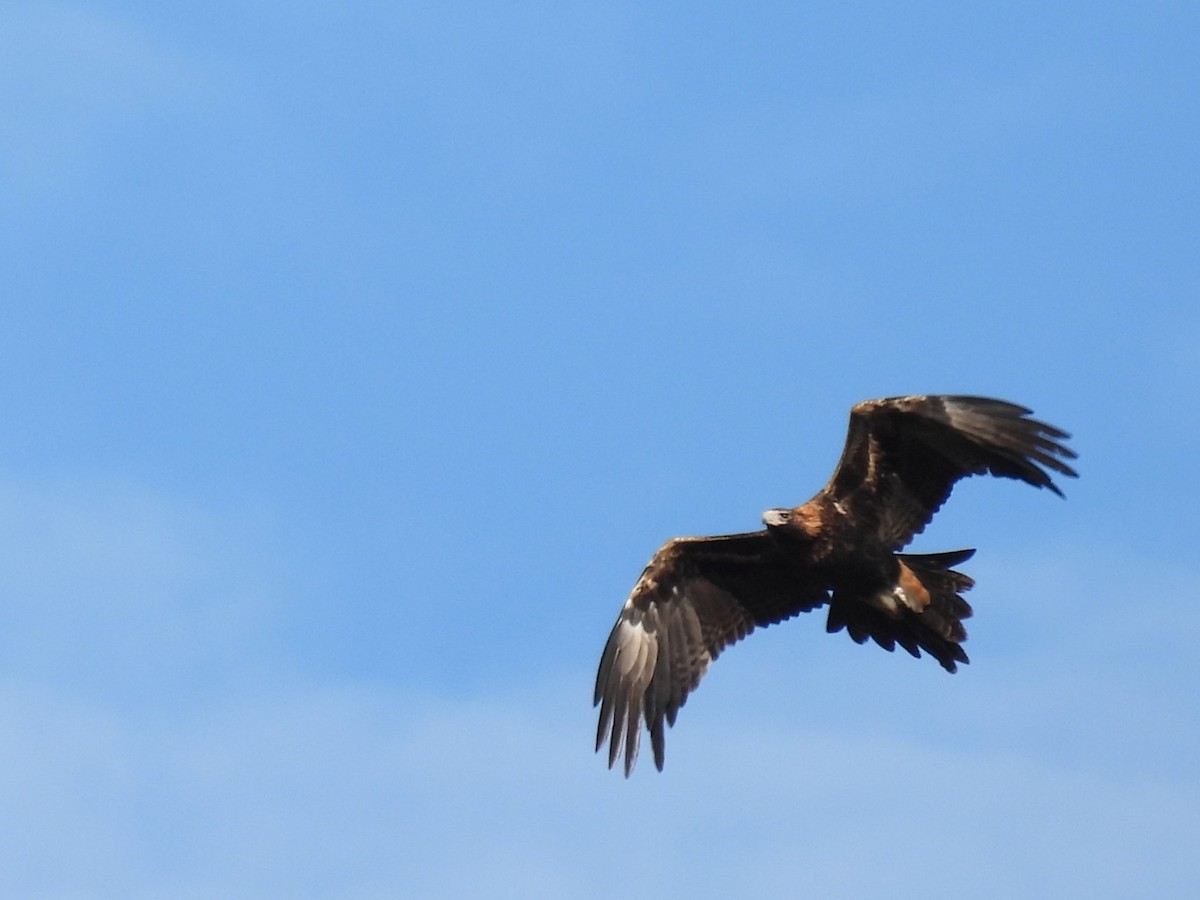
(901, 460)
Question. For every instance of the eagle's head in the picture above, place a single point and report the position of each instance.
(777, 518)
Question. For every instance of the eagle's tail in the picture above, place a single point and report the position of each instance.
(924, 610)
(938, 628)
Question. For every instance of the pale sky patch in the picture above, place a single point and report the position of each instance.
(72, 80)
(124, 592)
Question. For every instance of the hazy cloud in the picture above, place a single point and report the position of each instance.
(809, 761)
(70, 79)
(354, 791)
(128, 595)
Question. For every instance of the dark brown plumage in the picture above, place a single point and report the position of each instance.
(901, 460)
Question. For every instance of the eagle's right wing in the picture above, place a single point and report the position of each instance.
(697, 596)
(903, 455)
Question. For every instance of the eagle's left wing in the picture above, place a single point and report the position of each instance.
(696, 597)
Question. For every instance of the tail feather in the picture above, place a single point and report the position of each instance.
(933, 624)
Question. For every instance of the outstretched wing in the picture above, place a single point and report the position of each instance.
(696, 597)
(904, 454)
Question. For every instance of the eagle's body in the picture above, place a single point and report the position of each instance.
(841, 548)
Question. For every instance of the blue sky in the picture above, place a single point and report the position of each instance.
(354, 359)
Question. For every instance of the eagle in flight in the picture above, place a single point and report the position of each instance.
(699, 595)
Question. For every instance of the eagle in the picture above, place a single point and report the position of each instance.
(841, 549)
